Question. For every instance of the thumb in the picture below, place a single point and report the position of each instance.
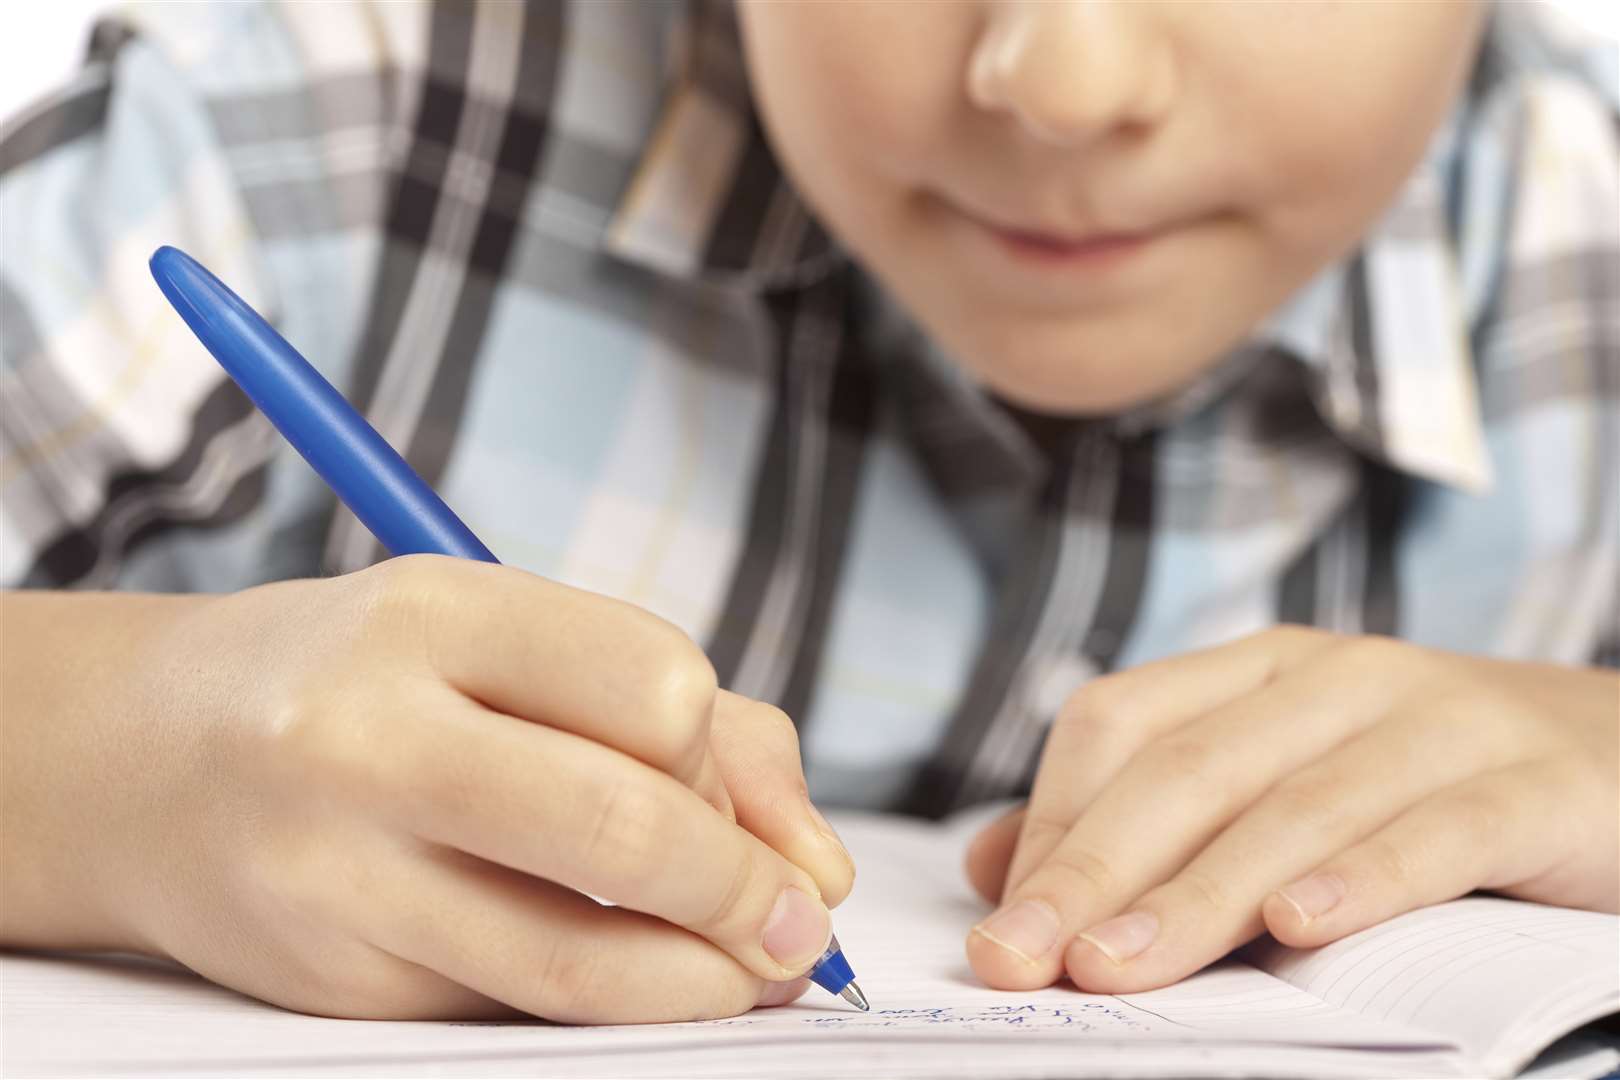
(990, 853)
(756, 749)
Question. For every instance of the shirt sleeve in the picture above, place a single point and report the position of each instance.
(259, 138)
(117, 427)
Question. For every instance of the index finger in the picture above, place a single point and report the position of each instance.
(571, 659)
(1104, 724)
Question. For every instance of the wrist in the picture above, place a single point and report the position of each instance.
(76, 764)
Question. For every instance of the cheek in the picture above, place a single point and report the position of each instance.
(856, 97)
(1342, 111)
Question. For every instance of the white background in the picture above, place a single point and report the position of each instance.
(41, 42)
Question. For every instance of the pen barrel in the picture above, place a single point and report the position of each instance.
(367, 474)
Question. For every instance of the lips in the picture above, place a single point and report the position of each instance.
(1059, 246)
(1091, 251)
(1044, 243)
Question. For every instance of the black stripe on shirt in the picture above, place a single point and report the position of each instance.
(754, 184)
(1382, 489)
(1130, 541)
(414, 201)
(1018, 613)
(74, 553)
(75, 116)
(1125, 576)
(107, 39)
(420, 196)
(767, 505)
(1364, 352)
(517, 161)
(412, 206)
(850, 411)
(1385, 497)
(63, 122)
(805, 365)
(1296, 589)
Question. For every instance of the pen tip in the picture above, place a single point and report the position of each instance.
(853, 995)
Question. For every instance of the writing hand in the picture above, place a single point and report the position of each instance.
(394, 795)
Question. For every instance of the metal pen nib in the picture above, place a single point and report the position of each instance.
(853, 995)
(833, 974)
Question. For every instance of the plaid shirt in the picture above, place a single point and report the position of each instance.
(548, 252)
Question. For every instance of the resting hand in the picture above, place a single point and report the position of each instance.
(1299, 782)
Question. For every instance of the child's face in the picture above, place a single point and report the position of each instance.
(1088, 203)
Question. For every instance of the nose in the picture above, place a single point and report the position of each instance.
(1073, 71)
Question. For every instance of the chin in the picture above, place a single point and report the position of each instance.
(1078, 387)
(1059, 368)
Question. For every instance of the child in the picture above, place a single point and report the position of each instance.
(1106, 340)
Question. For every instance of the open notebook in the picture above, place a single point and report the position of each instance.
(1472, 988)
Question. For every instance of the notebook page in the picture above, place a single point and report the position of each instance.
(903, 930)
(1501, 977)
(115, 1018)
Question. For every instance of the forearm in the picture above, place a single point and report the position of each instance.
(73, 731)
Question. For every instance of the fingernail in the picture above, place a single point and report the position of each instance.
(1123, 936)
(1314, 896)
(1028, 929)
(828, 833)
(798, 929)
(780, 993)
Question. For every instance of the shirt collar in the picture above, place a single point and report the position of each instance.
(1383, 336)
(706, 198)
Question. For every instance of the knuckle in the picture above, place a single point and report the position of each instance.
(1306, 804)
(1453, 714)
(1038, 829)
(315, 738)
(1290, 634)
(1098, 707)
(293, 727)
(1078, 870)
(569, 987)
(723, 916)
(1206, 890)
(1480, 722)
(1480, 817)
(1190, 761)
(405, 598)
(626, 843)
(680, 686)
(761, 735)
(412, 568)
(1393, 864)
(1369, 654)
(778, 737)
(401, 584)
(776, 724)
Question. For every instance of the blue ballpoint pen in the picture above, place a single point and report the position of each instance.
(384, 492)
